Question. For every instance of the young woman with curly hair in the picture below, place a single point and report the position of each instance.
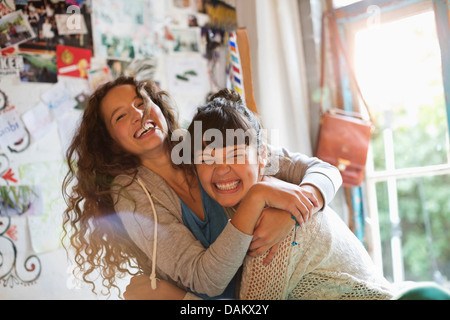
(125, 195)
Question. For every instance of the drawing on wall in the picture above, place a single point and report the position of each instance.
(5, 170)
(12, 270)
(3, 100)
(14, 136)
(59, 99)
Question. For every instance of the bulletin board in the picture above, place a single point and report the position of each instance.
(53, 54)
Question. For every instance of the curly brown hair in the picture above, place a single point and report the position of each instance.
(94, 159)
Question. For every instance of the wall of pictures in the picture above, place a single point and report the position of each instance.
(53, 54)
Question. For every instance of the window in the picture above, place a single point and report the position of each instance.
(398, 64)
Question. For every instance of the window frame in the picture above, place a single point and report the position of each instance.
(350, 19)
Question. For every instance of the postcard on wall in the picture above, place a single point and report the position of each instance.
(72, 61)
(184, 40)
(187, 73)
(187, 80)
(45, 230)
(39, 68)
(14, 30)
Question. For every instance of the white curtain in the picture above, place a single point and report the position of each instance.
(279, 76)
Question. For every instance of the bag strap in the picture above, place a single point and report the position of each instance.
(330, 16)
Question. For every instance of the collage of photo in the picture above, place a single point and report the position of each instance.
(35, 30)
(51, 38)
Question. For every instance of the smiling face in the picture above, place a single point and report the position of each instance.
(122, 110)
(232, 153)
(227, 174)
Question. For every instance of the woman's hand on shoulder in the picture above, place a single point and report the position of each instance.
(299, 201)
(273, 226)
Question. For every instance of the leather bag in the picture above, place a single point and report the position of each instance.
(344, 137)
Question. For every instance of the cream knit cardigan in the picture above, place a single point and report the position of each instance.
(328, 262)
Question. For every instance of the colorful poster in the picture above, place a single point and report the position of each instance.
(73, 62)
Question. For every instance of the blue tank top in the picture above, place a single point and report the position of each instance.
(207, 231)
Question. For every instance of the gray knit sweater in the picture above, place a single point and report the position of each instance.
(180, 258)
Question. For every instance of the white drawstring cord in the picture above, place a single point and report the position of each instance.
(155, 237)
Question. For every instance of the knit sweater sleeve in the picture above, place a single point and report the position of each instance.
(273, 282)
(179, 256)
(301, 169)
(327, 262)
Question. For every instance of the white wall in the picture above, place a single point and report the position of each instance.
(38, 236)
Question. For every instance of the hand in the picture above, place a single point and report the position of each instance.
(271, 229)
(300, 201)
(140, 288)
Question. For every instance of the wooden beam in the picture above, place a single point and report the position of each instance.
(246, 64)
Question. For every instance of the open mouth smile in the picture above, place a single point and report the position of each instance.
(227, 186)
(149, 126)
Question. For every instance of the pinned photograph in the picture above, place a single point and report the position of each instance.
(184, 40)
(7, 6)
(20, 200)
(39, 68)
(14, 30)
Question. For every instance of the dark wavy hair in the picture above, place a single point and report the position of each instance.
(94, 159)
(223, 111)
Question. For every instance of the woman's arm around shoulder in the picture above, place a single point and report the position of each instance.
(179, 256)
(301, 169)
